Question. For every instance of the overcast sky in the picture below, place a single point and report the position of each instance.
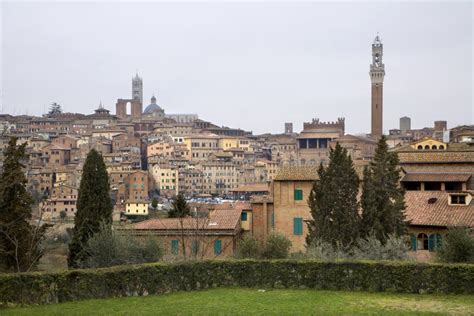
(248, 65)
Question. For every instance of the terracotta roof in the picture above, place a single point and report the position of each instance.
(302, 173)
(436, 156)
(254, 187)
(438, 213)
(436, 177)
(218, 220)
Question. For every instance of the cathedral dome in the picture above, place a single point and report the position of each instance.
(153, 108)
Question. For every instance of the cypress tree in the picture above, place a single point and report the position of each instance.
(19, 240)
(179, 207)
(94, 206)
(383, 200)
(369, 219)
(333, 201)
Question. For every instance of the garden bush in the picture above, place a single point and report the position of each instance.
(157, 278)
(458, 246)
(369, 248)
(248, 248)
(277, 246)
(107, 248)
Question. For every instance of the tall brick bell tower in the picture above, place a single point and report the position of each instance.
(377, 73)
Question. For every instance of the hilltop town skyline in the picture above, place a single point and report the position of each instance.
(288, 71)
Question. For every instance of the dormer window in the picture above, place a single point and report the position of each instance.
(458, 199)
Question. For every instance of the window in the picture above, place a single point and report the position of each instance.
(422, 242)
(432, 186)
(298, 226)
(458, 199)
(243, 216)
(453, 186)
(217, 247)
(298, 194)
(174, 246)
(412, 186)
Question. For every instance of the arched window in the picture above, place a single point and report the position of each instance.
(441, 147)
(422, 242)
(420, 147)
(434, 147)
(427, 147)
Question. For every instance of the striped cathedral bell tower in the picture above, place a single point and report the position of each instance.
(377, 73)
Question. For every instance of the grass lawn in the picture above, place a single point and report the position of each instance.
(254, 302)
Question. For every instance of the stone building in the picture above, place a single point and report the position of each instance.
(191, 181)
(314, 141)
(201, 146)
(213, 236)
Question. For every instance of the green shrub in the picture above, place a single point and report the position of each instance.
(325, 251)
(277, 246)
(157, 278)
(370, 248)
(106, 249)
(458, 246)
(248, 248)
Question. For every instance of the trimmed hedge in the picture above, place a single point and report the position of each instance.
(137, 280)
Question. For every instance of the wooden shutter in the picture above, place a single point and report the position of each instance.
(298, 195)
(431, 242)
(297, 226)
(217, 247)
(413, 242)
(439, 241)
(174, 246)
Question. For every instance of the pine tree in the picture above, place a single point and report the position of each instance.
(94, 206)
(383, 201)
(333, 201)
(179, 207)
(19, 240)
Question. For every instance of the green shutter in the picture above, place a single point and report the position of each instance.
(195, 247)
(439, 241)
(174, 246)
(413, 242)
(297, 226)
(273, 219)
(298, 195)
(431, 242)
(217, 247)
(243, 216)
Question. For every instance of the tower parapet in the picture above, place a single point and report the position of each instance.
(316, 124)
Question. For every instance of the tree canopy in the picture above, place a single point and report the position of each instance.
(179, 207)
(94, 206)
(19, 240)
(383, 200)
(333, 201)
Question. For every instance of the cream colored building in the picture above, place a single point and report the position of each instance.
(201, 146)
(162, 148)
(219, 176)
(166, 179)
(136, 208)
